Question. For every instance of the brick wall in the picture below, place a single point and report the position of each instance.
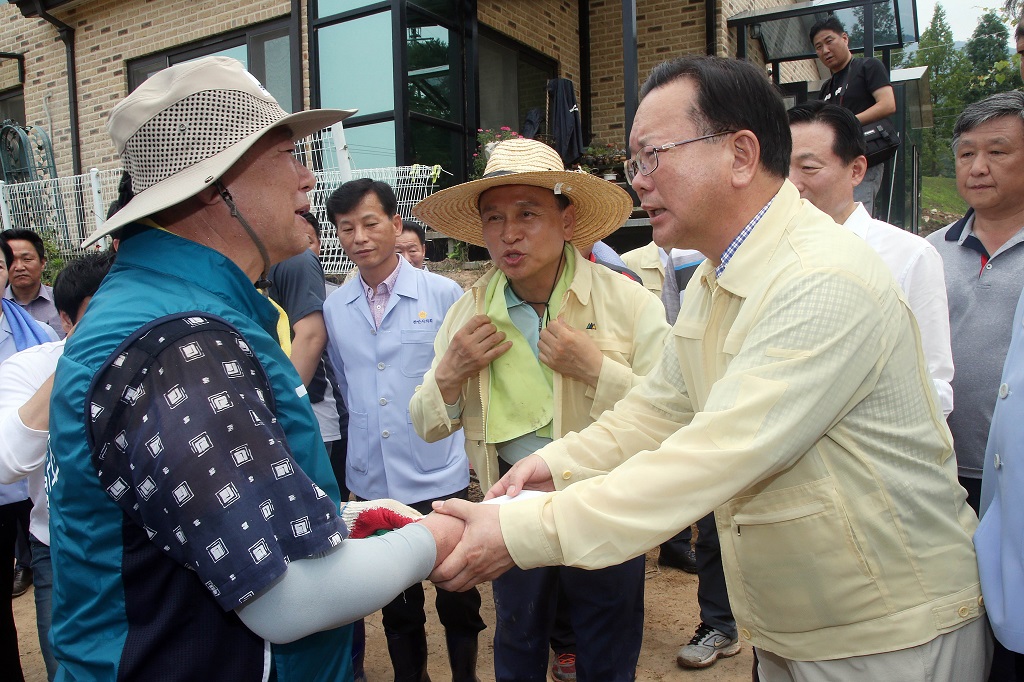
(107, 34)
(110, 32)
(665, 29)
(550, 27)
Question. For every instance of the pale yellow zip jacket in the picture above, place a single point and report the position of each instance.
(794, 400)
(626, 322)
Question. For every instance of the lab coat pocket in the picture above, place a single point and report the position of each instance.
(358, 456)
(429, 457)
(417, 352)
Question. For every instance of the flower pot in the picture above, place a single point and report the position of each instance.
(611, 176)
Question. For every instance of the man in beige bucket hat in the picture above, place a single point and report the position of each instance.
(540, 346)
(195, 516)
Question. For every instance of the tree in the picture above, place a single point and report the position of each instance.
(885, 26)
(950, 79)
(991, 62)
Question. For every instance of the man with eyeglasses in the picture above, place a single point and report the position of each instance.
(792, 398)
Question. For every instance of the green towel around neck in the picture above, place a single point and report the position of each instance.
(520, 394)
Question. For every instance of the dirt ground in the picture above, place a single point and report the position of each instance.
(671, 617)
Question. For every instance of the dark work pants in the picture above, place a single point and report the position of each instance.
(563, 639)
(712, 596)
(42, 580)
(337, 451)
(459, 612)
(607, 613)
(1007, 666)
(973, 488)
(22, 549)
(680, 542)
(10, 660)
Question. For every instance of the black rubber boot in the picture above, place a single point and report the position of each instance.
(462, 651)
(409, 656)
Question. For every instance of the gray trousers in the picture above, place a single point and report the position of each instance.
(963, 655)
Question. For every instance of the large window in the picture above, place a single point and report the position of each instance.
(357, 65)
(401, 63)
(265, 51)
(513, 79)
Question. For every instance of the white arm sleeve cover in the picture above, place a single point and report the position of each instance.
(356, 579)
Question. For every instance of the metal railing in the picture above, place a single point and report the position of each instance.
(68, 209)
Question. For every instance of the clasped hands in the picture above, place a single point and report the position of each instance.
(467, 536)
(478, 552)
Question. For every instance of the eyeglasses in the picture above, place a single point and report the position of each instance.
(646, 160)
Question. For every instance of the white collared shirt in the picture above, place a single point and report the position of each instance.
(917, 268)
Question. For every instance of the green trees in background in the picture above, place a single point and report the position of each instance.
(960, 76)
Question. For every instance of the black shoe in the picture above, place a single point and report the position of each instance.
(22, 581)
(684, 561)
(462, 654)
(409, 656)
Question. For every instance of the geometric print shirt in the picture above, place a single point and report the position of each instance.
(185, 440)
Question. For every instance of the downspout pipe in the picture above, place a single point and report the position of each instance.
(21, 64)
(67, 36)
(710, 28)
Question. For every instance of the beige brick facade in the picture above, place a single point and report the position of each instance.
(109, 33)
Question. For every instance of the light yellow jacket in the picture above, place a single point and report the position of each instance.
(793, 399)
(625, 321)
(646, 262)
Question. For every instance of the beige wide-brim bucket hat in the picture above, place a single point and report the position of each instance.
(601, 206)
(187, 125)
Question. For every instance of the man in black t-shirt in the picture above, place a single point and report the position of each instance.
(860, 85)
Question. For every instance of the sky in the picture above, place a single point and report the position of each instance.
(962, 15)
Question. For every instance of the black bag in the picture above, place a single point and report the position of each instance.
(880, 137)
(881, 140)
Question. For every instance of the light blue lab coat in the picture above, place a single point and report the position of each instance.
(378, 370)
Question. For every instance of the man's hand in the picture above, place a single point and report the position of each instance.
(472, 348)
(447, 531)
(570, 352)
(531, 473)
(481, 554)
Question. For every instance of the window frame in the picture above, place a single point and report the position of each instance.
(249, 36)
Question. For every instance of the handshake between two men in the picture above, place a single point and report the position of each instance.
(467, 535)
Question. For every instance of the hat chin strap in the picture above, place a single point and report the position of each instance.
(262, 282)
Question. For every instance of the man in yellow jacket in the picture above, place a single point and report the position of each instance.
(793, 399)
(542, 345)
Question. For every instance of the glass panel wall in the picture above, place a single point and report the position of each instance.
(433, 144)
(356, 59)
(361, 48)
(513, 79)
(326, 8)
(372, 145)
(432, 56)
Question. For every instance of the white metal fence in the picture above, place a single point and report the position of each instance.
(68, 209)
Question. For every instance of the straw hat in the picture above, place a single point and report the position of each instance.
(601, 206)
(187, 125)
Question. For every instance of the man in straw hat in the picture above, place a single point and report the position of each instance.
(194, 514)
(793, 399)
(540, 346)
